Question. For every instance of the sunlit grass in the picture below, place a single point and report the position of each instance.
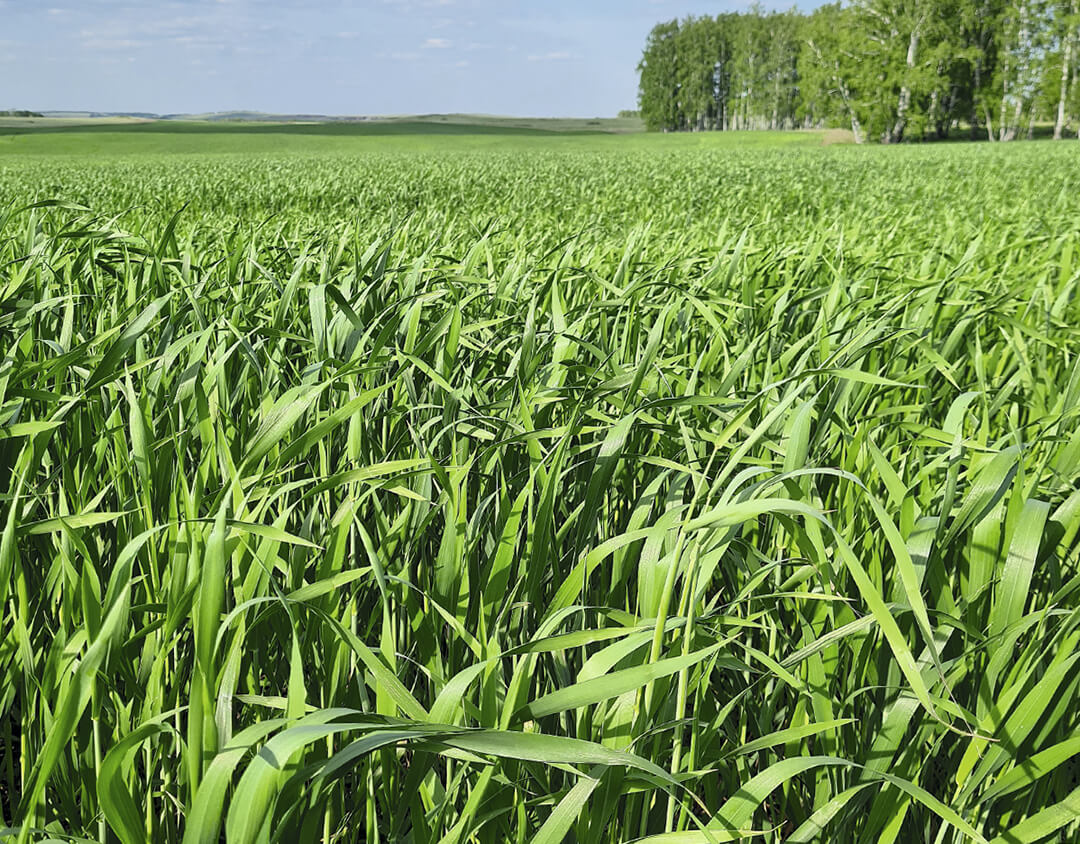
(541, 496)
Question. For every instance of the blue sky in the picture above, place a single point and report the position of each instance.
(522, 57)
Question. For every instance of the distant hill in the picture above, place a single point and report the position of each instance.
(96, 115)
(623, 123)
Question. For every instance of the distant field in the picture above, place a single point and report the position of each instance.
(391, 126)
(109, 137)
(550, 124)
(363, 485)
(555, 124)
(38, 124)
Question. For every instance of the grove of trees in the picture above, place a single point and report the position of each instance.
(887, 69)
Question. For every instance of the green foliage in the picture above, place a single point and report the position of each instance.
(536, 493)
(887, 69)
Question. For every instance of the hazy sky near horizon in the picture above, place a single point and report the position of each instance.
(521, 57)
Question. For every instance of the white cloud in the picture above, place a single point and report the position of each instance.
(554, 56)
(112, 43)
(437, 44)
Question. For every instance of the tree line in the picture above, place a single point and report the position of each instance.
(887, 69)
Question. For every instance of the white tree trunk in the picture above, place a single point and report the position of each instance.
(856, 126)
(904, 104)
(1066, 69)
(1004, 97)
(1014, 125)
(1023, 67)
(1059, 123)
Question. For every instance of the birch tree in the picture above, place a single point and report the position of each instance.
(827, 63)
(891, 70)
(1068, 27)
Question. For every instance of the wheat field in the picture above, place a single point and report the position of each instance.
(531, 492)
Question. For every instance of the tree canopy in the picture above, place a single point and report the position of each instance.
(889, 70)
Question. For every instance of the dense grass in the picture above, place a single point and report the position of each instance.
(109, 139)
(532, 493)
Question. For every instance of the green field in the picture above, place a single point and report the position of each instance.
(110, 138)
(415, 123)
(537, 487)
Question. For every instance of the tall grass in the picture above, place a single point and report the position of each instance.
(536, 497)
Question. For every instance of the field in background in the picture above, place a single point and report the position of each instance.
(537, 488)
(551, 124)
(115, 137)
(35, 124)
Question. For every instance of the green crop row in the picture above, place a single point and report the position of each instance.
(682, 495)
